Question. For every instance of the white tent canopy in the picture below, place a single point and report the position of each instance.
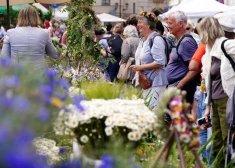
(61, 14)
(17, 2)
(105, 17)
(42, 8)
(196, 9)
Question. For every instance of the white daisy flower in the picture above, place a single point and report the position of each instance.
(131, 136)
(108, 131)
(84, 139)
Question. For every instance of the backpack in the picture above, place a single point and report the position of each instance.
(198, 77)
(115, 45)
(177, 47)
(167, 48)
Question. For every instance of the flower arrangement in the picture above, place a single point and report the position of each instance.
(27, 100)
(48, 148)
(184, 124)
(101, 119)
(149, 15)
(76, 76)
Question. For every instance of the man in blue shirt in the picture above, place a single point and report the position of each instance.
(180, 56)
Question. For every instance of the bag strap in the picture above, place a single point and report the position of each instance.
(166, 46)
(226, 55)
(177, 47)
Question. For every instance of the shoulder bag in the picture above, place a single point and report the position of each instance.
(144, 81)
(124, 72)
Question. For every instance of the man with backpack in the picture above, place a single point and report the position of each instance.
(181, 55)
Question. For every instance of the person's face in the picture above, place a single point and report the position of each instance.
(173, 25)
(142, 26)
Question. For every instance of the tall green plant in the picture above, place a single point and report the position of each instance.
(81, 24)
(13, 17)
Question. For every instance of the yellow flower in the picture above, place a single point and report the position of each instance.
(56, 102)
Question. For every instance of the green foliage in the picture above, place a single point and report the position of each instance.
(81, 24)
(13, 18)
(49, 14)
(105, 90)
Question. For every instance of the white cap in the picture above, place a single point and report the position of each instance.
(226, 20)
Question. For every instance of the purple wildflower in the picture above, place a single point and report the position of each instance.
(51, 73)
(5, 62)
(107, 162)
(77, 101)
(43, 114)
(71, 164)
(46, 92)
(20, 104)
(12, 81)
(62, 150)
(64, 83)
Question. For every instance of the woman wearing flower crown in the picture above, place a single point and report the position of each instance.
(150, 58)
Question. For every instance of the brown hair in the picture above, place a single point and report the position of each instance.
(118, 28)
(28, 17)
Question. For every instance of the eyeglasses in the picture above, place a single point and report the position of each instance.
(188, 28)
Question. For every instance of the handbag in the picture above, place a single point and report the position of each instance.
(124, 72)
(230, 107)
(144, 81)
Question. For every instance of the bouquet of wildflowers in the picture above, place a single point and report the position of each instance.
(94, 122)
(27, 101)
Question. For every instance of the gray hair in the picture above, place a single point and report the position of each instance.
(179, 16)
(152, 25)
(130, 31)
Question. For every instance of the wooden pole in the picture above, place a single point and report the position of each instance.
(8, 15)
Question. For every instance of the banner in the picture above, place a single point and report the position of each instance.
(221, 1)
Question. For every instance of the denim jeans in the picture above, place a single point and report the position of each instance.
(113, 69)
(201, 107)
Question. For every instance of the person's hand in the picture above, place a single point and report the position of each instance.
(205, 126)
(207, 112)
(180, 85)
(136, 67)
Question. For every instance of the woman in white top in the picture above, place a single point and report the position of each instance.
(219, 78)
(28, 43)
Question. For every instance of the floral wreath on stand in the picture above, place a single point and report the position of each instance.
(149, 15)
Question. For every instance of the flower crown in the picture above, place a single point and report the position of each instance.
(149, 15)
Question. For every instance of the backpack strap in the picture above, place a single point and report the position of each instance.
(166, 46)
(226, 55)
(177, 47)
(151, 40)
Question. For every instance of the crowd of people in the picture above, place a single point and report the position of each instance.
(157, 54)
(176, 53)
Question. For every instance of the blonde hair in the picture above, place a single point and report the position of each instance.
(189, 25)
(130, 31)
(209, 30)
(28, 17)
